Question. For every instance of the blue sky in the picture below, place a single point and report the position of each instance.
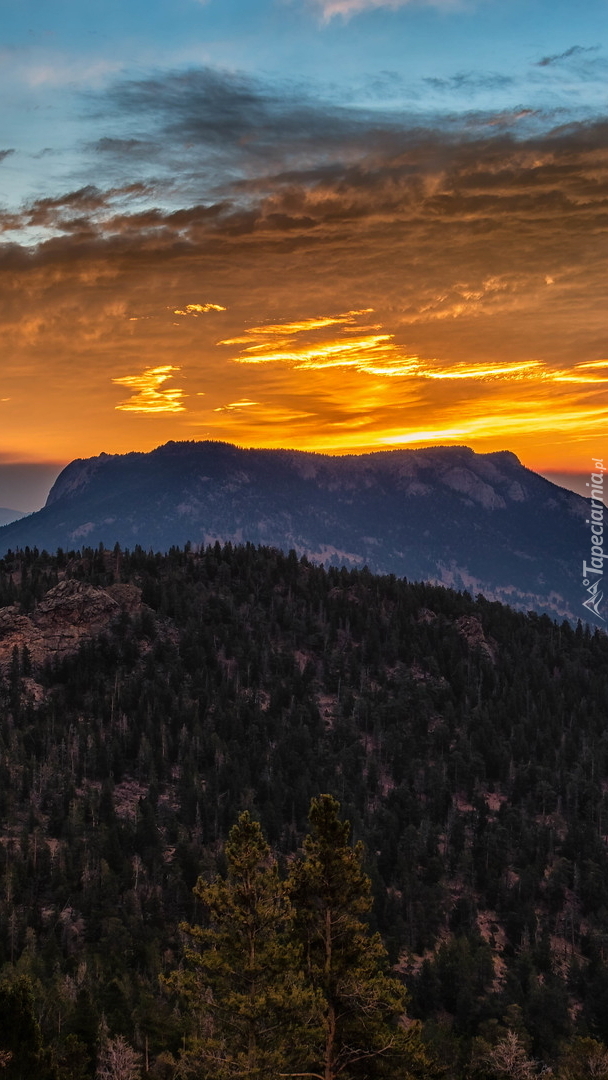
(330, 224)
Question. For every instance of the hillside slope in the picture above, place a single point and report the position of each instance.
(7, 516)
(466, 743)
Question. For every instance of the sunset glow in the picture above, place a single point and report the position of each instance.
(413, 254)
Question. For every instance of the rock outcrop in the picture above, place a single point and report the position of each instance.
(70, 613)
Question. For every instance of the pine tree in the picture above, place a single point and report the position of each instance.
(71, 1059)
(362, 1034)
(243, 980)
(23, 1054)
(584, 1059)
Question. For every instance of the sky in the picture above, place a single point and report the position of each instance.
(332, 225)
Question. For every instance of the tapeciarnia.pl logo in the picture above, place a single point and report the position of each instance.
(593, 572)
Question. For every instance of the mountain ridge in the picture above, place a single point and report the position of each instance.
(482, 522)
(7, 516)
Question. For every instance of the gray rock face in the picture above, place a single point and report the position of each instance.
(480, 522)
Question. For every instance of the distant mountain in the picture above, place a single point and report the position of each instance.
(6, 515)
(481, 522)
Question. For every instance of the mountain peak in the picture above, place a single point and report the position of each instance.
(481, 522)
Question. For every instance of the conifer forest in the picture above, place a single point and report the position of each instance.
(261, 818)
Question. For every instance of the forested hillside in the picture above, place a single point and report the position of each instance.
(467, 745)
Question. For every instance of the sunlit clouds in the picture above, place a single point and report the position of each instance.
(385, 395)
(236, 405)
(198, 309)
(147, 394)
(286, 329)
(259, 265)
(378, 354)
(370, 353)
(484, 371)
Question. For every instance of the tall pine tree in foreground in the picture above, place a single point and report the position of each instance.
(247, 996)
(362, 1033)
(285, 979)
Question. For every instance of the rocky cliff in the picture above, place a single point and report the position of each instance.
(70, 613)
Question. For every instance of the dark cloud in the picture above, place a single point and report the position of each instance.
(369, 206)
(471, 81)
(574, 50)
(125, 147)
(435, 226)
(206, 138)
(210, 129)
(215, 107)
(212, 124)
(5, 153)
(73, 209)
(399, 176)
(84, 199)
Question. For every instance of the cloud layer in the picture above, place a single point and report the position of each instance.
(321, 275)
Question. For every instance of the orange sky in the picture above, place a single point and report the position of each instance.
(424, 289)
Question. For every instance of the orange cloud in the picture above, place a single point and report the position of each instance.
(378, 354)
(149, 398)
(484, 371)
(198, 309)
(365, 389)
(483, 260)
(236, 405)
(375, 354)
(594, 364)
(286, 329)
